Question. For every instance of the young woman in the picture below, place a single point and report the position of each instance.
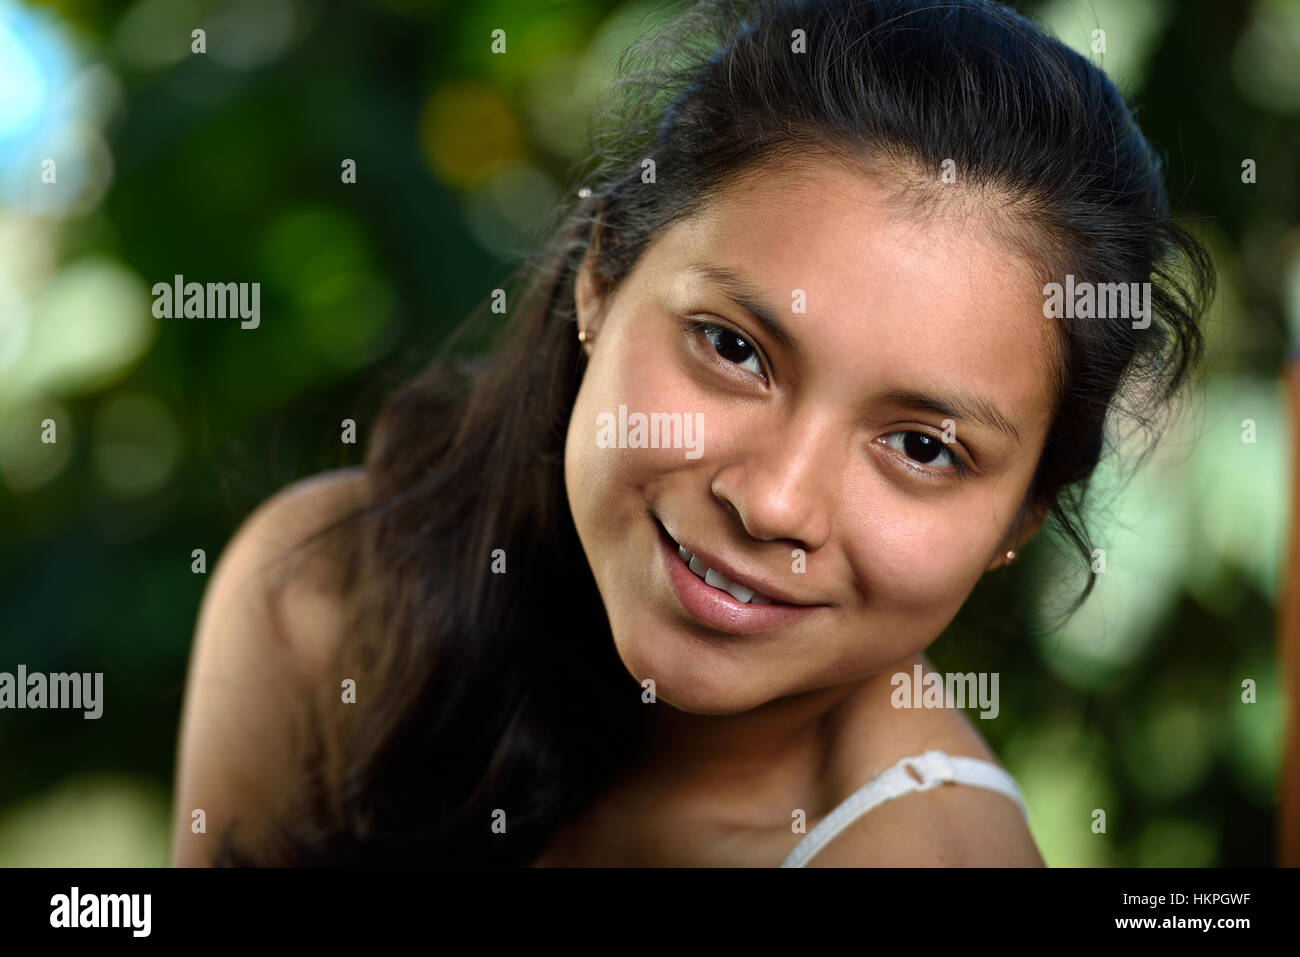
(784, 386)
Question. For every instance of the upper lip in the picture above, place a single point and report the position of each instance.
(753, 582)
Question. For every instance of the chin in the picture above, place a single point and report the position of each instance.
(688, 676)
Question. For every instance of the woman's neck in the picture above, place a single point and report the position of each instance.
(729, 761)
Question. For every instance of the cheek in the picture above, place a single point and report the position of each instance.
(643, 414)
(589, 474)
(606, 457)
(923, 556)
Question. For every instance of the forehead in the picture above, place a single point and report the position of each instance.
(917, 298)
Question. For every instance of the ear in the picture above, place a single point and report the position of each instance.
(1028, 520)
(589, 293)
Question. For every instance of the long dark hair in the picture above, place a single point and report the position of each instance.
(479, 691)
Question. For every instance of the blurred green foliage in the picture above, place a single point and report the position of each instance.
(226, 167)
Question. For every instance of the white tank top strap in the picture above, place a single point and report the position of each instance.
(933, 768)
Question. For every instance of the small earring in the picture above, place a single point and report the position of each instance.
(585, 336)
(1011, 556)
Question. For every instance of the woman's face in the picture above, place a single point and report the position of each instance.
(813, 464)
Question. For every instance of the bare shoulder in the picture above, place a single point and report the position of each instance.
(950, 825)
(266, 629)
(303, 597)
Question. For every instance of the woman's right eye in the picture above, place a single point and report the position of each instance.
(729, 345)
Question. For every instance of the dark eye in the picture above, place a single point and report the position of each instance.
(923, 448)
(731, 346)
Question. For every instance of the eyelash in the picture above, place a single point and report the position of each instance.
(697, 327)
(959, 471)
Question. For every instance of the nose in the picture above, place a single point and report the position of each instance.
(781, 484)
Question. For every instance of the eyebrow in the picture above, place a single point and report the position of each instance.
(954, 405)
(750, 298)
(957, 406)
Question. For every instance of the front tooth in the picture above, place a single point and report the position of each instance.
(717, 579)
(739, 592)
(720, 581)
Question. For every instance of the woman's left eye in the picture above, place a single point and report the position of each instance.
(730, 346)
(924, 448)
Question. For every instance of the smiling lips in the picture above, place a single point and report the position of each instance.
(719, 580)
(714, 600)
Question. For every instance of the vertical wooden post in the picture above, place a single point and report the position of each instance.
(1288, 849)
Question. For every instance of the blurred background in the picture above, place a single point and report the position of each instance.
(227, 166)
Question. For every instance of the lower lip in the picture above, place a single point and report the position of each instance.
(716, 608)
